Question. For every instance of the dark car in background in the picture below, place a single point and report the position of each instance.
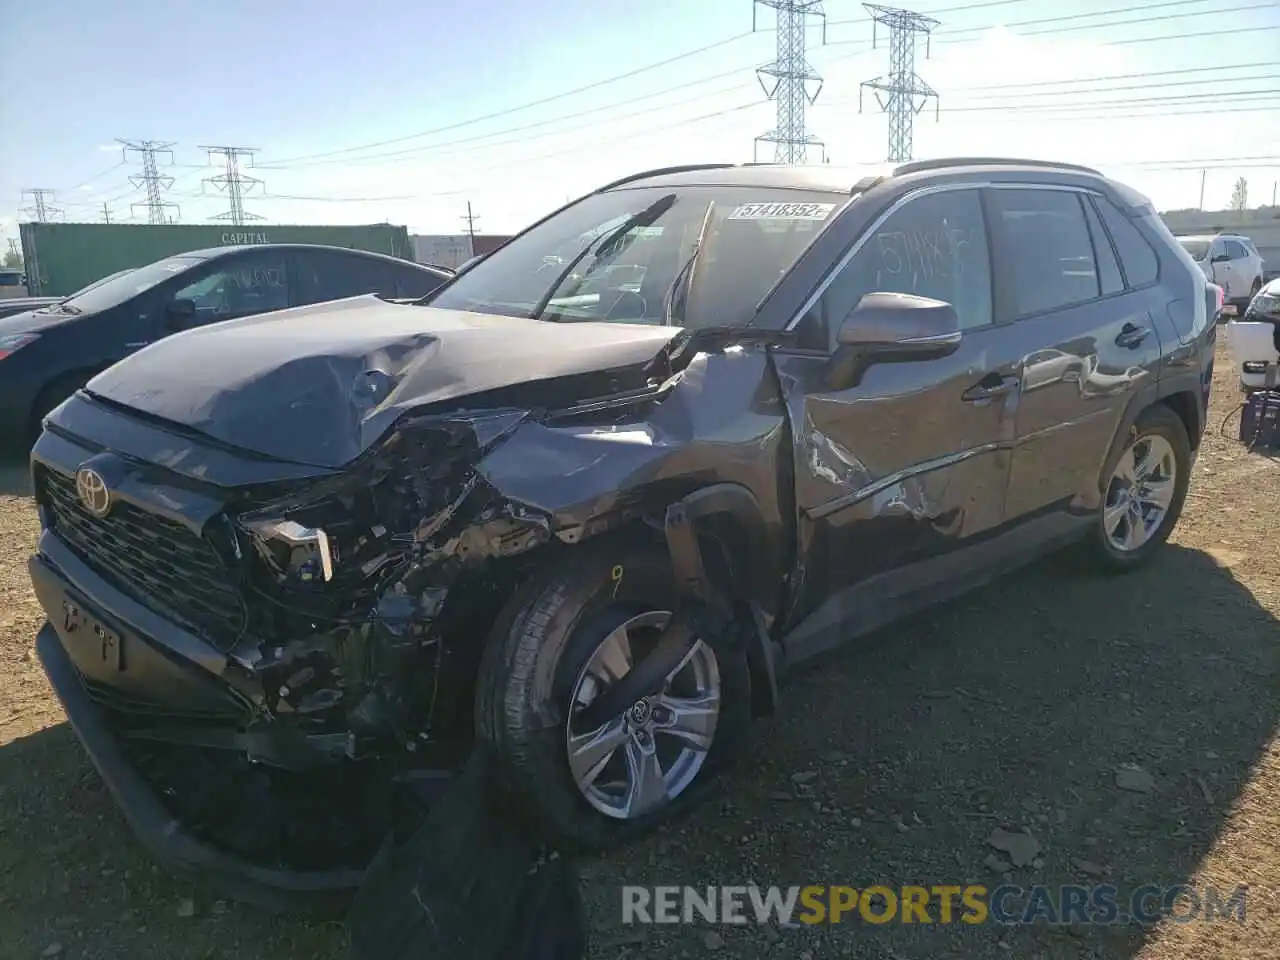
(26, 304)
(47, 353)
(588, 501)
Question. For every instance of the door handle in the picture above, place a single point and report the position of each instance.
(1131, 336)
(990, 386)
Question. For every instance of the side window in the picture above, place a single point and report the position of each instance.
(1109, 277)
(1236, 250)
(330, 275)
(415, 283)
(1051, 251)
(239, 288)
(935, 246)
(1137, 259)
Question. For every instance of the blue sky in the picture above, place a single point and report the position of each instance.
(297, 79)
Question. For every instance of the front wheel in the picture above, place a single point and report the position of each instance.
(568, 637)
(1145, 492)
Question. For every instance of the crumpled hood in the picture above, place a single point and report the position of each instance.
(319, 384)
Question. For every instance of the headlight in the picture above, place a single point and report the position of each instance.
(15, 342)
(1264, 305)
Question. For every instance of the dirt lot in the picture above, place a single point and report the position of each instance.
(894, 763)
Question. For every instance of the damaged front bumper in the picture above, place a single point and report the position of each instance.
(107, 635)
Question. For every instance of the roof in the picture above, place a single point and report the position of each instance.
(827, 177)
(212, 252)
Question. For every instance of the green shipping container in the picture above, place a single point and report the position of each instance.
(60, 258)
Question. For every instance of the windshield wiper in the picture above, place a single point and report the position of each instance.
(642, 219)
(682, 285)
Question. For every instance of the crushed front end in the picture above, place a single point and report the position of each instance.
(270, 664)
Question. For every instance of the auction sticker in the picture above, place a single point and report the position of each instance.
(783, 211)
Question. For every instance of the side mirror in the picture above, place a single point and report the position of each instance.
(902, 325)
(180, 313)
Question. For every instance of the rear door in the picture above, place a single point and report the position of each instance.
(336, 274)
(910, 459)
(1089, 342)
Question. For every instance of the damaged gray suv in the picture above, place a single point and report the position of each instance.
(592, 499)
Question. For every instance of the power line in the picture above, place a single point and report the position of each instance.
(233, 182)
(791, 74)
(908, 93)
(507, 111)
(524, 106)
(151, 179)
(412, 152)
(40, 208)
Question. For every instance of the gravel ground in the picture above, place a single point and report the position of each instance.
(893, 763)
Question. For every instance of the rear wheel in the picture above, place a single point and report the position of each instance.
(1145, 492)
(575, 631)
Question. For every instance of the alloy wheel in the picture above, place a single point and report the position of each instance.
(635, 763)
(1140, 493)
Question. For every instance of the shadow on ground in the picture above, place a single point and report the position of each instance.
(15, 478)
(1012, 708)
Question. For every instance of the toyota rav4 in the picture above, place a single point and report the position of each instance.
(596, 496)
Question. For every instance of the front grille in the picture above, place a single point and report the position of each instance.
(159, 563)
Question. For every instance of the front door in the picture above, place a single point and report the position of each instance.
(910, 460)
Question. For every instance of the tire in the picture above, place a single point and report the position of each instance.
(535, 660)
(50, 396)
(1156, 428)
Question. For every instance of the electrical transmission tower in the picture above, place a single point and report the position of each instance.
(907, 93)
(791, 76)
(235, 183)
(40, 208)
(151, 179)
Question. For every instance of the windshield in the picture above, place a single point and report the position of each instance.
(690, 256)
(109, 292)
(1199, 249)
(97, 283)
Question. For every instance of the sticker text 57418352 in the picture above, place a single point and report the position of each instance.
(783, 211)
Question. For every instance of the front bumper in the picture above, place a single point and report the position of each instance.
(141, 650)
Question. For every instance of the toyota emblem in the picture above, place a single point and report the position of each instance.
(93, 492)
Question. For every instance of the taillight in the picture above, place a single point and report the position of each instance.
(15, 342)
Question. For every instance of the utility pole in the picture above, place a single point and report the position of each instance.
(787, 79)
(907, 92)
(235, 183)
(14, 252)
(1203, 176)
(40, 209)
(151, 179)
(106, 212)
(470, 220)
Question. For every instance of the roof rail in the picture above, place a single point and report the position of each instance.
(661, 171)
(915, 166)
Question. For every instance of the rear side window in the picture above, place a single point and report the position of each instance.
(415, 283)
(1109, 277)
(331, 275)
(1052, 253)
(1137, 258)
(1236, 250)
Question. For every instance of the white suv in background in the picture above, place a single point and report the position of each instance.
(1229, 260)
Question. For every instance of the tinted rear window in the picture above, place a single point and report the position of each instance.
(1137, 258)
